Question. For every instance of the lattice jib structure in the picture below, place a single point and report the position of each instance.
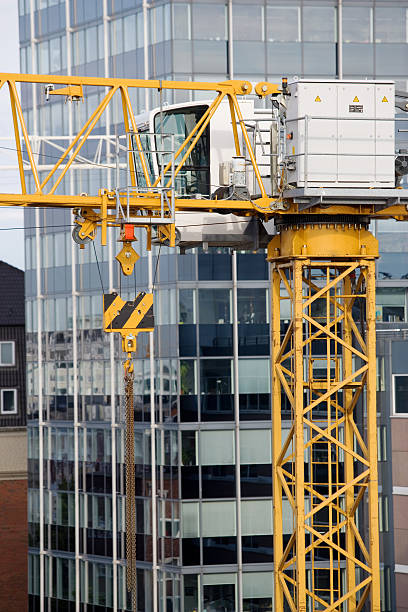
(324, 381)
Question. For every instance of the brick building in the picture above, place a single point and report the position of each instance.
(13, 442)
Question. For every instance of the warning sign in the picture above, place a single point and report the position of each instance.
(317, 99)
(356, 99)
(384, 99)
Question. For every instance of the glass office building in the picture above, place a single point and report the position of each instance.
(204, 491)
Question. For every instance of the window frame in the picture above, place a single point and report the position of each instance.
(13, 343)
(395, 414)
(6, 413)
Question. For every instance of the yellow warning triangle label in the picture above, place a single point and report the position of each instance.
(384, 99)
(356, 99)
(317, 99)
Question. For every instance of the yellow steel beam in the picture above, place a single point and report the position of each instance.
(18, 142)
(299, 528)
(15, 101)
(374, 549)
(276, 433)
(348, 458)
(128, 111)
(237, 87)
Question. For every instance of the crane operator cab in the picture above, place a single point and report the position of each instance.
(206, 174)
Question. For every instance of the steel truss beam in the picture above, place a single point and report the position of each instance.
(325, 463)
(49, 190)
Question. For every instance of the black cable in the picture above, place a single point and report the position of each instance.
(99, 270)
(4, 229)
(91, 163)
(157, 265)
(120, 279)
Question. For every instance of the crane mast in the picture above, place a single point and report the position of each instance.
(324, 463)
(322, 262)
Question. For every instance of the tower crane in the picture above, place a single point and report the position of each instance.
(331, 169)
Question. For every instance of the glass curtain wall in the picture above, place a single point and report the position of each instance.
(211, 411)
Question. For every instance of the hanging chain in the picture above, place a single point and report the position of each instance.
(130, 489)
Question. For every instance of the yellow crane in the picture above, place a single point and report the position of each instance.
(322, 261)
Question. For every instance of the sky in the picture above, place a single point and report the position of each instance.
(11, 241)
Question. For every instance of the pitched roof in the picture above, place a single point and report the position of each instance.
(12, 310)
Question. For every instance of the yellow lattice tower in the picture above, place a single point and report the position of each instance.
(324, 370)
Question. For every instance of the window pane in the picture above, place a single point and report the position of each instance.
(249, 57)
(255, 445)
(55, 55)
(210, 56)
(318, 24)
(189, 520)
(217, 447)
(256, 480)
(43, 58)
(215, 264)
(61, 314)
(218, 481)
(390, 24)
(356, 24)
(247, 21)
(390, 297)
(116, 36)
(181, 21)
(60, 246)
(186, 306)
(187, 378)
(7, 357)
(129, 33)
(218, 519)
(209, 22)
(319, 58)
(79, 47)
(257, 584)
(216, 377)
(287, 54)
(188, 445)
(401, 394)
(253, 375)
(91, 42)
(391, 57)
(282, 24)
(194, 178)
(252, 266)
(256, 518)
(393, 265)
(182, 56)
(9, 401)
(251, 306)
(219, 597)
(358, 59)
(214, 306)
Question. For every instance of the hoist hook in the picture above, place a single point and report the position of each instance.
(128, 366)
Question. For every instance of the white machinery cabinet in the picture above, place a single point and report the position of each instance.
(340, 134)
